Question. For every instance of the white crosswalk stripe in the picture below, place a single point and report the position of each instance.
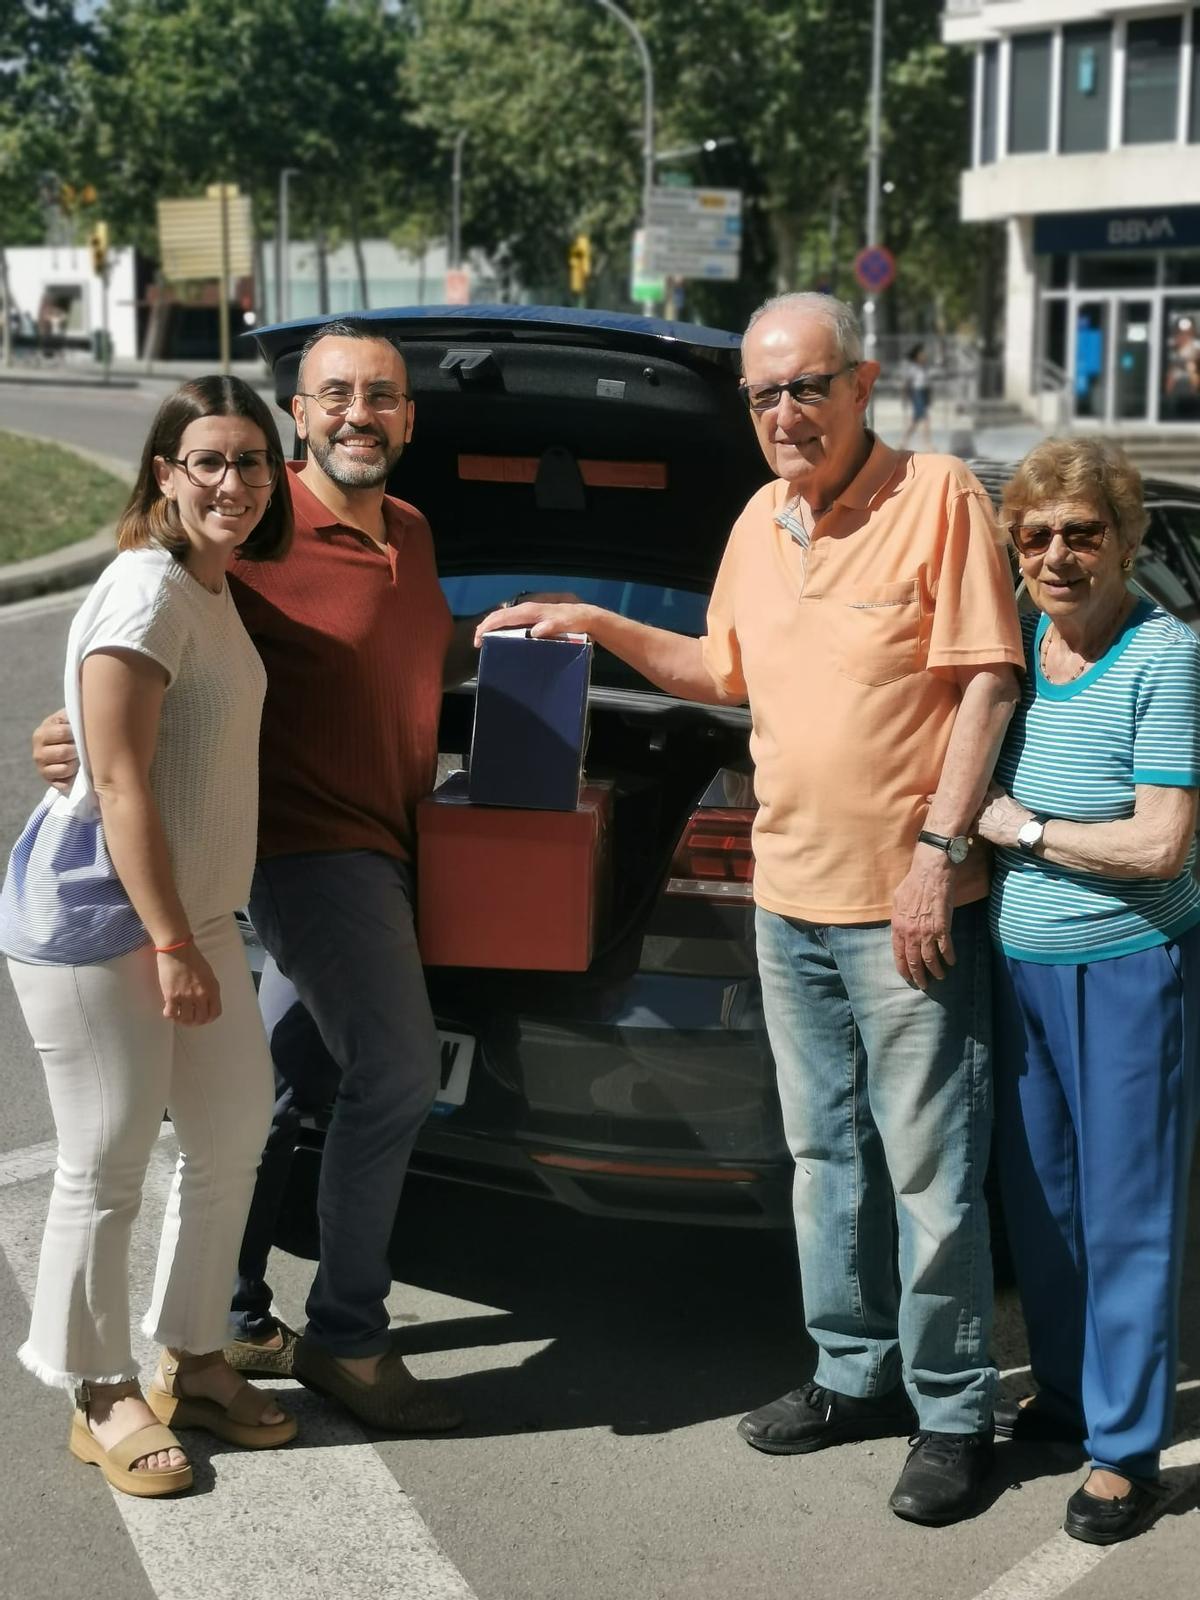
(321, 1517)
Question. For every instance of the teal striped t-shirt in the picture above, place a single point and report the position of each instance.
(1075, 751)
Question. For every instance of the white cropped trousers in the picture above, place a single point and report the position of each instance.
(112, 1063)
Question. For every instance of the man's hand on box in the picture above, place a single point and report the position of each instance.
(54, 752)
(544, 616)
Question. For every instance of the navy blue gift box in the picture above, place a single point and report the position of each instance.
(530, 728)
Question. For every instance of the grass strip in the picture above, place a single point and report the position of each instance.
(50, 497)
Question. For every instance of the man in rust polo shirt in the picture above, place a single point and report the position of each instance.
(354, 633)
(865, 610)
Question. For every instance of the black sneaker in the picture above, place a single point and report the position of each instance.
(1097, 1521)
(942, 1476)
(811, 1418)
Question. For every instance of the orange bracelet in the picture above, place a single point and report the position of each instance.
(169, 949)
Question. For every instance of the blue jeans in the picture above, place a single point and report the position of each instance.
(1097, 1098)
(887, 1107)
(339, 927)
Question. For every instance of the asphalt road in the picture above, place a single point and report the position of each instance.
(603, 1367)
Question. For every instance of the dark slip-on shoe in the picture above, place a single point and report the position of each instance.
(395, 1403)
(1097, 1521)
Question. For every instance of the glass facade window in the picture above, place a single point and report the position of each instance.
(1058, 272)
(1056, 333)
(1029, 94)
(1086, 86)
(1181, 360)
(1181, 266)
(1117, 271)
(1152, 61)
(990, 102)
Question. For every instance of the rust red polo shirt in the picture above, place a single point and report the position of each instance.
(354, 641)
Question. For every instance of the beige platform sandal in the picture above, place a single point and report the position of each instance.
(240, 1422)
(117, 1464)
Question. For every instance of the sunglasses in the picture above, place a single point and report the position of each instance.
(1035, 538)
(806, 390)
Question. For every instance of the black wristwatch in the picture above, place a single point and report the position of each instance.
(956, 848)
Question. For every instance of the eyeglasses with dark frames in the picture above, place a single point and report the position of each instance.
(207, 468)
(807, 390)
(335, 399)
(1035, 538)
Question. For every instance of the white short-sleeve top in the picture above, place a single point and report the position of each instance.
(204, 776)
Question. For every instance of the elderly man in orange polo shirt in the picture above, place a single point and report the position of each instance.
(865, 610)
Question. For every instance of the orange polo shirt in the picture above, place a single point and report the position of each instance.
(846, 653)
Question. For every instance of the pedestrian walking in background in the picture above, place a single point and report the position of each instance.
(1096, 913)
(918, 394)
(117, 919)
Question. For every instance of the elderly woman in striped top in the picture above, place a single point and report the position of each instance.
(1096, 913)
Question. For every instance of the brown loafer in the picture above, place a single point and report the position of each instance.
(395, 1403)
(260, 1360)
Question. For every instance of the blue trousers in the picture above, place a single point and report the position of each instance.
(1097, 1090)
(339, 927)
(886, 1096)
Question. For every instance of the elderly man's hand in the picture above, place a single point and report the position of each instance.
(543, 617)
(922, 908)
(54, 752)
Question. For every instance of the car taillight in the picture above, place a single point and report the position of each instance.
(713, 858)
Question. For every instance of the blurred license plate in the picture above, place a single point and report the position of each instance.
(458, 1053)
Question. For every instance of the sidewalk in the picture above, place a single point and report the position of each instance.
(81, 372)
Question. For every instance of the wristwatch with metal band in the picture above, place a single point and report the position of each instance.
(1029, 834)
(956, 848)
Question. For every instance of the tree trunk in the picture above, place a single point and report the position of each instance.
(6, 338)
(360, 259)
(322, 271)
(785, 240)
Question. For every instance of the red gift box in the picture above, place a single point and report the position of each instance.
(503, 888)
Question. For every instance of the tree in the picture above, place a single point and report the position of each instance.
(41, 45)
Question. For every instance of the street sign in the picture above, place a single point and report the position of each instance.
(875, 268)
(694, 233)
(189, 236)
(458, 287)
(645, 287)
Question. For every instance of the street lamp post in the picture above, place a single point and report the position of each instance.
(870, 330)
(635, 34)
(282, 267)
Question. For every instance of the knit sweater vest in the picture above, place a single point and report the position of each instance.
(354, 641)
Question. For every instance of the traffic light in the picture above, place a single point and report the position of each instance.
(98, 245)
(579, 259)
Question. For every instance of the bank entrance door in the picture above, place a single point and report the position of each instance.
(1116, 341)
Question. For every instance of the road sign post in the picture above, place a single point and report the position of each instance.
(694, 233)
(875, 268)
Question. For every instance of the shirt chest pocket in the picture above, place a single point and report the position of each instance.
(875, 637)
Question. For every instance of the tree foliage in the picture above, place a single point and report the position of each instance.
(366, 98)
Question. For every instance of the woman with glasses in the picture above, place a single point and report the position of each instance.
(1096, 913)
(117, 918)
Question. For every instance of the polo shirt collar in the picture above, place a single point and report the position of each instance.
(315, 514)
(875, 473)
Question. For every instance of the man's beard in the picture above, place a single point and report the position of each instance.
(354, 474)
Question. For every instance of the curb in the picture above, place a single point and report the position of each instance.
(68, 380)
(72, 564)
(68, 568)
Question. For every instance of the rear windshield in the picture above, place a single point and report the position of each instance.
(680, 610)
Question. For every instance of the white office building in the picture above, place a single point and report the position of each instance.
(1086, 145)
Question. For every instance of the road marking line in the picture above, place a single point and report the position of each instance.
(318, 1518)
(1054, 1566)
